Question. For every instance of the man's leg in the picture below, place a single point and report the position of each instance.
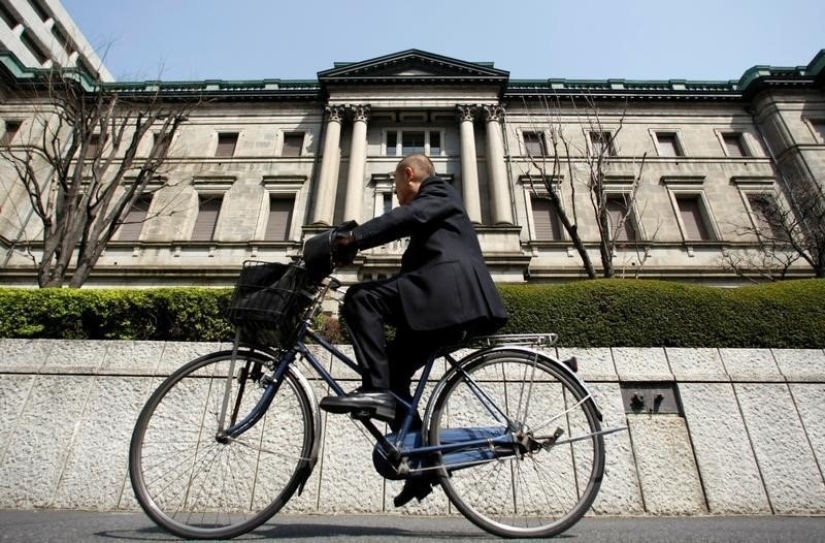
(367, 307)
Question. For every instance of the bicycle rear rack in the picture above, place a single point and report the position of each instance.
(535, 340)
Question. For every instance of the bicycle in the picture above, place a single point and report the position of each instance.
(512, 435)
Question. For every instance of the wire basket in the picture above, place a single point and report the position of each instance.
(269, 302)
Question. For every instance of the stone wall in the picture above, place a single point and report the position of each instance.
(750, 439)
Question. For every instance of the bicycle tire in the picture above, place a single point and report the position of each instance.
(216, 490)
(537, 493)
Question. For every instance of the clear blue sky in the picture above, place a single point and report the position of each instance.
(532, 39)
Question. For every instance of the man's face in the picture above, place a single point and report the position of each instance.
(405, 189)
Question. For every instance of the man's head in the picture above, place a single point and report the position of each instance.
(411, 171)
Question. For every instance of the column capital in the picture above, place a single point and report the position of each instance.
(465, 112)
(335, 113)
(360, 112)
(493, 112)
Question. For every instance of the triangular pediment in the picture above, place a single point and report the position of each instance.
(410, 66)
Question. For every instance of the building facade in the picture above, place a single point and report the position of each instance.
(686, 169)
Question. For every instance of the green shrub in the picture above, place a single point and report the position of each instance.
(602, 313)
(617, 313)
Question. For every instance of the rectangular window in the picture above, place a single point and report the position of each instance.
(93, 146)
(546, 220)
(209, 207)
(162, 143)
(601, 144)
(39, 10)
(435, 143)
(226, 144)
(617, 211)
(132, 225)
(668, 144)
(734, 145)
(60, 37)
(412, 142)
(533, 143)
(767, 217)
(392, 143)
(12, 127)
(10, 18)
(387, 199)
(691, 213)
(293, 144)
(280, 218)
(33, 47)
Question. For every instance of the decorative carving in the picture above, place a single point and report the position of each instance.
(465, 113)
(335, 113)
(360, 112)
(493, 112)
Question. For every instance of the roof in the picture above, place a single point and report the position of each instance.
(416, 67)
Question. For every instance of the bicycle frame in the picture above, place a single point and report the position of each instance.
(283, 359)
(394, 450)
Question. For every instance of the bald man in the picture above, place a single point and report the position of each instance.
(443, 294)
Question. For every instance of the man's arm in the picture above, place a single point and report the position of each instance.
(432, 203)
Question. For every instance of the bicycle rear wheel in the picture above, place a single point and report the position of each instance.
(195, 484)
(544, 486)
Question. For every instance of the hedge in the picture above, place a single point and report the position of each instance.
(601, 313)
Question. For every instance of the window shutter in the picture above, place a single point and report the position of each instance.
(12, 127)
(691, 213)
(133, 223)
(546, 220)
(293, 145)
(208, 211)
(280, 218)
(226, 144)
(668, 145)
(616, 209)
(733, 143)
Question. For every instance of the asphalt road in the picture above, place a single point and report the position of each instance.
(54, 526)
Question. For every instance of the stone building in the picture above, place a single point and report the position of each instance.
(687, 168)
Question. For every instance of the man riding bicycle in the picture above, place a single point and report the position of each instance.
(442, 295)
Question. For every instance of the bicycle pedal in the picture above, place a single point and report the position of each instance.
(361, 414)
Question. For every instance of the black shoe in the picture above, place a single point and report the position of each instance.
(418, 488)
(363, 404)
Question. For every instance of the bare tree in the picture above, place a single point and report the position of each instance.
(785, 234)
(554, 168)
(81, 168)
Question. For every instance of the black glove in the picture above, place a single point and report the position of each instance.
(344, 248)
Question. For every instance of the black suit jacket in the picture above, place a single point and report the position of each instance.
(444, 282)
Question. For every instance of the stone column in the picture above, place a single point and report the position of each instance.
(324, 210)
(357, 162)
(469, 163)
(499, 189)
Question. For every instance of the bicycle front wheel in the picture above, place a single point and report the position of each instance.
(194, 482)
(544, 484)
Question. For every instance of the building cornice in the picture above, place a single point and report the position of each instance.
(422, 68)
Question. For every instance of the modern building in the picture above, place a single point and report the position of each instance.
(688, 169)
(41, 34)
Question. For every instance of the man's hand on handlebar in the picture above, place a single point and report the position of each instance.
(344, 248)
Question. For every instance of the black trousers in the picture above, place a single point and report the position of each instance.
(368, 308)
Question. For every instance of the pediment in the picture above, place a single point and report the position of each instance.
(412, 66)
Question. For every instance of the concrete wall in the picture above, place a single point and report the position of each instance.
(751, 440)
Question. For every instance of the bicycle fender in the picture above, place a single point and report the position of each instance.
(510, 348)
(316, 426)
